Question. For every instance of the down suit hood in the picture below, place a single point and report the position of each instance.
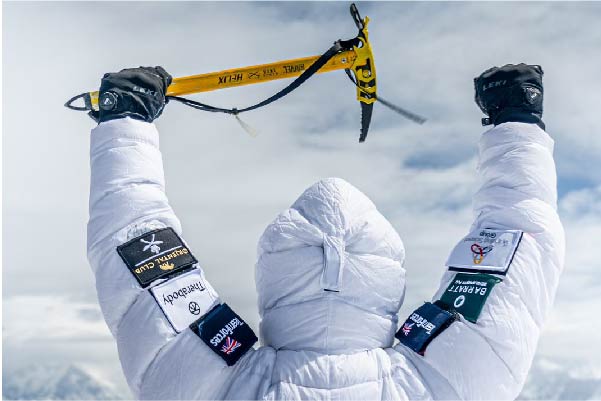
(330, 274)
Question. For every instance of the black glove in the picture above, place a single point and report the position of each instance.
(134, 92)
(513, 92)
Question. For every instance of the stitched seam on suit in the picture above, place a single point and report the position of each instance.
(155, 216)
(377, 380)
(127, 186)
(110, 144)
(412, 357)
(387, 372)
(147, 368)
(341, 300)
(541, 252)
(494, 351)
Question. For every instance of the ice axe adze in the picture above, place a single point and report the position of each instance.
(354, 56)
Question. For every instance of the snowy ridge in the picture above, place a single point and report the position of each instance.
(55, 382)
(560, 380)
(548, 380)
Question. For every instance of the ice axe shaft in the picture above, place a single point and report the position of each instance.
(245, 76)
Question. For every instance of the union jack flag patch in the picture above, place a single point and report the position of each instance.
(230, 346)
(407, 328)
(225, 333)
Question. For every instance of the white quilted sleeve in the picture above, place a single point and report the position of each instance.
(127, 199)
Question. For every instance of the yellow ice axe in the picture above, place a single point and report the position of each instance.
(247, 75)
(351, 55)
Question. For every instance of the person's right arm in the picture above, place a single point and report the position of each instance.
(149, 288)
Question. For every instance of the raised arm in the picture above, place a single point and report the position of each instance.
(502, 276)
(150, 286)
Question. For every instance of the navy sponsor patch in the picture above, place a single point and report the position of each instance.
(156, 254)
(225, 333)
(467, 293)
(423, 325)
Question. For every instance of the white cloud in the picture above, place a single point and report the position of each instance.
(31, 318)
(227, 186)
(584, 204)
(59, 330)
(574, 321)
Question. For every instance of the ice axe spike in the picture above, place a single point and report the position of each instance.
(364, 70)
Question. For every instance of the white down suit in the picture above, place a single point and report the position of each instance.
(330, 281)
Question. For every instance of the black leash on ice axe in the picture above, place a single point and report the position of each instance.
(354, 56)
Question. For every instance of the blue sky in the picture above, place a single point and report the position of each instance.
(226, 186)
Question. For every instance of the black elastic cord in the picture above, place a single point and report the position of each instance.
(200, 106)
(405, 113)
(69, 103)
(320, 62)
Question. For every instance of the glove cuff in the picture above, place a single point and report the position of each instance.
(514, 114)
(135, 116)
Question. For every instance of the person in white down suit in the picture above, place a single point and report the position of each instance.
(329, 271)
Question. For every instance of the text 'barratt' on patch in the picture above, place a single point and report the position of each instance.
(467, 293)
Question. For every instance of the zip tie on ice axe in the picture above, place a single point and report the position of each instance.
(351, 55)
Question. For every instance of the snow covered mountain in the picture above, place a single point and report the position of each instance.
(555, 380)
(548, 380)
(55, 382)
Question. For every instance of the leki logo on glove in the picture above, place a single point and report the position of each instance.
(155, 255)
(494, 84)
(225, 333)
(144, 90)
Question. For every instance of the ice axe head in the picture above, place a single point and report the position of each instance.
(364, 71)
(364, 77)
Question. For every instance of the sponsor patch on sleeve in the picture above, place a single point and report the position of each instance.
(225, 333)
(185, 298)
(467, 293)
(156, 254)
(485, 251)
(423, 325)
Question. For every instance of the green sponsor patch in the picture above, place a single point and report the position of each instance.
(467, 293)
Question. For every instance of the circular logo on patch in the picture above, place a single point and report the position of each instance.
(194, 308)
(460, 300)
(108, 101)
